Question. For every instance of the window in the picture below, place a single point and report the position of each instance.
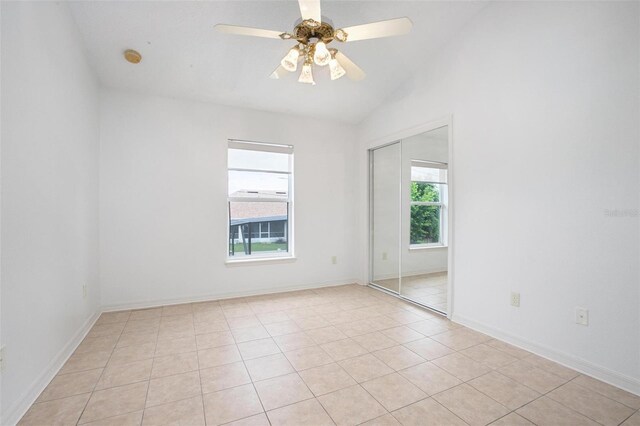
(428, 203)
(260, 199)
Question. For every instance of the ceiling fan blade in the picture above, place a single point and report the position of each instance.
(247, 31)
(278, 73)
(389, 28)
(354, 72)
(310, 9)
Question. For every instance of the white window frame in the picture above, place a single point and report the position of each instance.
(289, 234)
(442, 204)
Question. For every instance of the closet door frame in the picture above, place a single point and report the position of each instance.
(397, 137)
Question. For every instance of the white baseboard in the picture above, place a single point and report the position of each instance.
(13, 414)
(599, 372)
(222, 296)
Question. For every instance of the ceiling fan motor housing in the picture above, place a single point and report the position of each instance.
(310, 29)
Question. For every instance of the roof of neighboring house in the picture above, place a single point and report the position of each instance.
(245, 212)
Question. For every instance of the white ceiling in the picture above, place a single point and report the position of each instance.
(184, 57)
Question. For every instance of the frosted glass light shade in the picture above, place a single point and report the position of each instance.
(322, 56)
(306, 76)
(290, 61)
(336, 69)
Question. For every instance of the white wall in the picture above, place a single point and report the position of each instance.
(163, 209)
(49, 195)
(545, 104)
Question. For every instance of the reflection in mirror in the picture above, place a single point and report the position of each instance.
(425, 201)
(385, 217)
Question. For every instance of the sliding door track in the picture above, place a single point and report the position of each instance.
(406, 299)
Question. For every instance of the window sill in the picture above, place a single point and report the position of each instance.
(430, 247)
(260, 260)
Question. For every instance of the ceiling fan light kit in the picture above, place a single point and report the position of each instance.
(313, 35)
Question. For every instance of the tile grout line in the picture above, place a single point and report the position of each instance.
(101, 373)
(359, 385)
(153, 362)
(602, 395)
(542, 394)
(488, 396)
(478, 390)
(103, 370)
(297, 372)
(255, 390)
(204, 411)
(397, 372)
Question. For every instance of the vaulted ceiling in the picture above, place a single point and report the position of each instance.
(184, 57)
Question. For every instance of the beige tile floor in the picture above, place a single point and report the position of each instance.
(343, 355)
(426, 289)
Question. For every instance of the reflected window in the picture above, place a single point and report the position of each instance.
(428, 203)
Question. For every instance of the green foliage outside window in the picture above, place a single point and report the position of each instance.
(425, 220)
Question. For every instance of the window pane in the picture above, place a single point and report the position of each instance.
(428, 192)
(264, 229)
(259, 216)
(425, 224)
(277, 229)
(255, 229)
(428, 174)
(246, 159)
(258, 184)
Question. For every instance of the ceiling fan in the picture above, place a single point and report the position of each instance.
(312, 36)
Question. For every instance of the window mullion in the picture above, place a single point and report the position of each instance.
(238, 169)
(257, 200)
(426, 203)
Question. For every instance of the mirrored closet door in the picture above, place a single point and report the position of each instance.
(385, 216)
(409, 207)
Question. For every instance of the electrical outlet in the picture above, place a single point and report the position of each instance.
(515, 299)
(582, 316)
(334, 259)
(84, 291)
(384, 255)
